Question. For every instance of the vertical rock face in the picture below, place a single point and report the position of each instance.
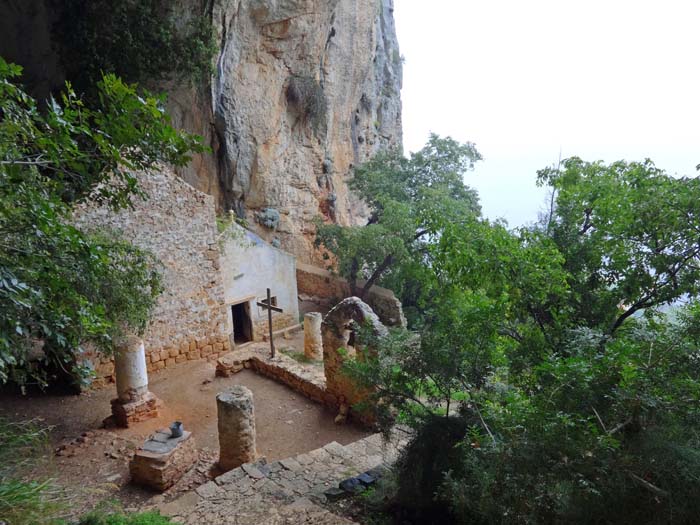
(303, 90)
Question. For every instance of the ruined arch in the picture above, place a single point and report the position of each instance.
(337, 333)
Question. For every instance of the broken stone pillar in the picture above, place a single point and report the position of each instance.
(336, 329)
(313, 343)
(134, 402)
(236, 427)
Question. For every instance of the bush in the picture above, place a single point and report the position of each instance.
(138, 40)
(420, 470)
(60, 287)
(306, 95)
(578, 396)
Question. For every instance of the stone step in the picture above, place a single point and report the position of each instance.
(309, 478)
(309, 474)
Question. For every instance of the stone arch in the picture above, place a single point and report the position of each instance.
(337, 332)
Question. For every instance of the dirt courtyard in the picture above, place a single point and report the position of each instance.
(95, 460)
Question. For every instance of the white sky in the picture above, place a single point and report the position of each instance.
(524, 80)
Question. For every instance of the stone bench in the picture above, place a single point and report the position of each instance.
(163, 460)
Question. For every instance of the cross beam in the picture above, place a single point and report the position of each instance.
(266, 304)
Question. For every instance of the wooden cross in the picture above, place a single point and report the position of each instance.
(266, 304)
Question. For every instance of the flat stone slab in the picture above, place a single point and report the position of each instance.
(162, 443)
(163, 460)
(252, 471)
(335, 494)
(366, 479)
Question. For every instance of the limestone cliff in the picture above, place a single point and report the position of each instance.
(273, 165)
(301, 91)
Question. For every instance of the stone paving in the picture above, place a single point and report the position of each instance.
(288, 491)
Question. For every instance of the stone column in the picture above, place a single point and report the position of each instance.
(236, 427)
(130, 370)
(313, 344)
(134, 402)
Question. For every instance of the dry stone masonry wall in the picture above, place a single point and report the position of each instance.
(177, 224)
(325, 287)
(336, 330)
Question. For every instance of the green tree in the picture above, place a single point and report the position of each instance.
(61, 288)
(556, 388)
(410, 200)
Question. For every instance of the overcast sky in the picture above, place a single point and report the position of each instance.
(612, 79)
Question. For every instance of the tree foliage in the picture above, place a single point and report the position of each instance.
(411, 200)
(566, 391)
(143, 41)
(60, 287)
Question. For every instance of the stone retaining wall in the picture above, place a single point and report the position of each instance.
(293, 379)
(323, 284)
(307, 379)
(280, 321)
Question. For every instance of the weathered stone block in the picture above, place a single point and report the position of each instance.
(163, 460)
(336, 335)
(135, 411)
(228, 365)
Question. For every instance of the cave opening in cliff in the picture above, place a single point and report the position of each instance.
(242, 325)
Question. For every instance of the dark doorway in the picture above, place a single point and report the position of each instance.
(242, 326)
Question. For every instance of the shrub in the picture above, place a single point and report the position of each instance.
(138, 40)
(61, 287)
(307, 96)
(420, 469)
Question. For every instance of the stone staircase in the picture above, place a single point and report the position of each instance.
(287, 491)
